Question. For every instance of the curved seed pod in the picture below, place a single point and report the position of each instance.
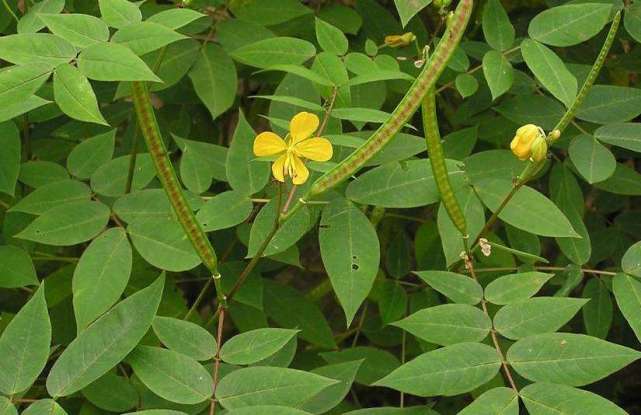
(589, 81)
(437, 161)
(167, 176)
(404, 110)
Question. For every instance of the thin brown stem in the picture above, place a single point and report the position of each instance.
(216, 369)
(328, 111)
(290, 197)
(469, 265)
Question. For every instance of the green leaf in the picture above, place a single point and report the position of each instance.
(266, 410)
(597, 313)
(627, 291)
(606, 104)
(269, 386)
(399, 185)
(164, 244)
(448, 371)
(24, 345)
(81, 30)
(290, 309)
(101, 276)
(52, 195)
(90, 154)
(112, 393)
(553, 399)
(631, 261)
(466, 84)
(9, 157)
(225, 210)
(21, 82)
(536, 315)
(331, 396)
(593, 160)
(171, 375)
(245, 173)
(145, 37)
(68, 224)
(286, 236)
(185, 337)
(528, 209)
(351, 253)
(570, 24)
(6, 407)
(457, 287)
(568, 359)
(408, 9)
(498, 73)
(497, 401)
(273, 51)
(44, 406)
(448, 324)
(303, 72)
(255, 345)
(330, 38)
(214, 79)
(268, 13)
(550, 70)
(624, 135)
(110, 179)
(175, 18)
(106, 342)
(511, 288)
(632, 20)
(624, 181)
(537, 109)
(113, 62)
(13, 109)
(36, 49)
(376, 362)
(143, 205)
(497, 28)
(16, 267)
(39, 173)
(74, 95)
(119, 13)
(31, 22)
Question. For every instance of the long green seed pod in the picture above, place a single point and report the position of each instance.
(594, 72)
(169, 181)
(408, 105)
(437, 161)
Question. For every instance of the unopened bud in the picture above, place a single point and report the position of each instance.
(396, 41)
(539, 149)
(554, 135)
(521, 144)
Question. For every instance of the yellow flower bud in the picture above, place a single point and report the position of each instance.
(555, 134)
(539, 149)
(395, 41)
(521, 144)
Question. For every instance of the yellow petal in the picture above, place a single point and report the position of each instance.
(278, 168)
(317, 149)
(268, 144)
(302, 126)
(300, 172)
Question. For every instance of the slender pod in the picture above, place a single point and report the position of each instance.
(406, 108)
(437, 161)
(167, 175)
(594, 72)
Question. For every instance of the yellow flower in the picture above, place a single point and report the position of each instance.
(298, 145)
(525, 137)
(395, 41)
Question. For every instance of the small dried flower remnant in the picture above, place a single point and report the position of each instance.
(396, 41)
(529, 143)
(297, 146)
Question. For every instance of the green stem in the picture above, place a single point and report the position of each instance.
(167, 175)
(10, 10)
(403, 111)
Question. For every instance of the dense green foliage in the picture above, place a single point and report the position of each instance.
(151, 263)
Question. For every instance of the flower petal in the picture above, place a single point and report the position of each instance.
(268, 144)
(278, 168)
(317, 149)
(302, 126)
(301, 174)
